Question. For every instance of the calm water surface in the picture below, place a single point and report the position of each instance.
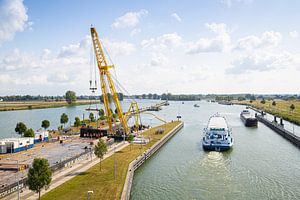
(33, 118)
(261, 165)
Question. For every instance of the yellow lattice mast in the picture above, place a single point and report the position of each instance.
(105, 77)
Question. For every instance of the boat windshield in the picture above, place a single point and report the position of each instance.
(217, 129)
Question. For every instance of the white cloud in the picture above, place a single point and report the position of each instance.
(158, 59)
(17, 60)
(220, 43)
(120, 48)
(165, 41)
(13, 18)
(5, 78)
(129, 19)
(268, 39)
(59, 77)
(176, 17)
(294, 34)
(260, 61)
(230, 3)
(135, 32)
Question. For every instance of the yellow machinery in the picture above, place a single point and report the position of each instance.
(106, 78)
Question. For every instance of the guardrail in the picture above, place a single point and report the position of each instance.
(134, 165)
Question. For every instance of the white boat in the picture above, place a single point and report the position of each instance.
(218, 136)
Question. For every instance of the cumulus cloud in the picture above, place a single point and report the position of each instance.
(268, 39)
(135, 32)
(176, 17)
(294, 34)
(260, 61)
(118, 48)
(230, 3)
(158, 59)
(17, 60)
(220, 43)
(13, 18)
(62, 66)
(169, 41)
(129, 19)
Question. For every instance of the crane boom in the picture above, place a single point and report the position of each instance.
(105, 77)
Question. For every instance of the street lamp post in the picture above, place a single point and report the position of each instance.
(89, 193)
(115, 167)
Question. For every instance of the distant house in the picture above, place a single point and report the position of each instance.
(1, 100)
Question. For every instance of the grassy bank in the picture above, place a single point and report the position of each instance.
(26, 105)
(282, 109)
(103, 183)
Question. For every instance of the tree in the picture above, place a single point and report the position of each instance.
(263, 101)
(101, 112)
(20, 128)
(130, 139)
(292, 107)
(273, 103)
(45, 124)
(39, 175)
(92, 117)
(164, 96)
(241, 99)
(70, 97)
(29, 133)
(77, 122)
(100, 150)
(64, 118)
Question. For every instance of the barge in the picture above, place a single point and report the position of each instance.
(248, 119)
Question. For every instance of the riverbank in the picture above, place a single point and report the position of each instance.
(281, 109)
(102, 183)
(28, 105)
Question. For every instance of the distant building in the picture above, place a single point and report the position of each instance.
(1, 100)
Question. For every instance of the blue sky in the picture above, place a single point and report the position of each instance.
(192, 46)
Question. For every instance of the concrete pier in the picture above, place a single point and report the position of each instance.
(279, 128)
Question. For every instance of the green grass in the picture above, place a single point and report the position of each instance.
(28, 105)
(103, 183)
(282, 109)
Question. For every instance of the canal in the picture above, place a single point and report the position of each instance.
(262, 164)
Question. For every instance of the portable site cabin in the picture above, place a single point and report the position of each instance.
(40, 136)
(13, 145)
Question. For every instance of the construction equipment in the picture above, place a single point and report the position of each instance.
(107, 84)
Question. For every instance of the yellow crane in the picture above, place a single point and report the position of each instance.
(107, 84)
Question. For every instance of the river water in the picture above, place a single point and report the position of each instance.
(33, 118)
(261, 165)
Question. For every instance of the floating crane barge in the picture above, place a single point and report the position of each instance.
(114, 128)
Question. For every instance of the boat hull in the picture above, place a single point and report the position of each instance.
(249, 122)
(208, 146)
(215, 147)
